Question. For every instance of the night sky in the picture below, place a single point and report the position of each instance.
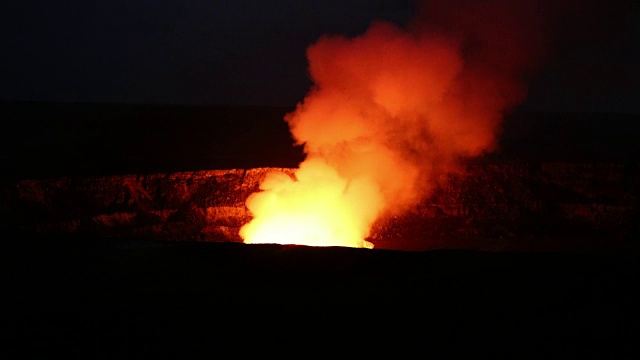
(250, 52)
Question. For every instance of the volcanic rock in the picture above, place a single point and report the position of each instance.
(488, 206)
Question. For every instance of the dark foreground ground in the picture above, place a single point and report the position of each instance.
(70, 296)
(67, 297)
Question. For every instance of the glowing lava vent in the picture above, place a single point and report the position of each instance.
(318, 208)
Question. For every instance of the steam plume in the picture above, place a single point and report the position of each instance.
(390, 112)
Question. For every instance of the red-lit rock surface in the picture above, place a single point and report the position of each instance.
(491, 206)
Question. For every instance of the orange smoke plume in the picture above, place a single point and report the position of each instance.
(391, 111)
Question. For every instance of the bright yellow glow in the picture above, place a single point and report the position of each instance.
(318, 208)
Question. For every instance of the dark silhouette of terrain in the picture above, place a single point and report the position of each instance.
(77, 297)
(59, 139)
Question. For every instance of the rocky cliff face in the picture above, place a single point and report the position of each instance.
(490, 206)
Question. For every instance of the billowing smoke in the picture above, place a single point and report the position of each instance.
(391, 111)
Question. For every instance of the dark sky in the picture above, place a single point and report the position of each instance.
(253, 52)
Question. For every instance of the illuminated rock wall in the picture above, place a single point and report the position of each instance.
(498, 206)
